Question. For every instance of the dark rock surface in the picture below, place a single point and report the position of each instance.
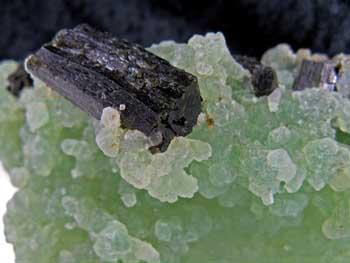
(95, 70)
(19, 80)
(264, 79)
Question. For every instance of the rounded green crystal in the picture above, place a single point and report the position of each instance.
(258, 180)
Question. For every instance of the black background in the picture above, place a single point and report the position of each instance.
(250, 26)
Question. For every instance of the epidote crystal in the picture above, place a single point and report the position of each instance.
(19, 80)
(322, 74)
(94, 70)
(259, 179)
(263, 78)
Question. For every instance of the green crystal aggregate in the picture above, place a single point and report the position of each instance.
(258, 180)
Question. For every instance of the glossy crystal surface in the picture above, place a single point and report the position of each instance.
(258, 180)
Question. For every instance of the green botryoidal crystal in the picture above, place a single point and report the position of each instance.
(260, 179)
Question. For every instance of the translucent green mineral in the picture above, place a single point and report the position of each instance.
(260, 179)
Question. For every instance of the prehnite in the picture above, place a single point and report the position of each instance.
(258, 180)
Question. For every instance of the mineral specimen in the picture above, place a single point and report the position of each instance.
(259, 179)
(95, 70)
(19, 80)
(264, 78)
(343, 81)
(322, 74)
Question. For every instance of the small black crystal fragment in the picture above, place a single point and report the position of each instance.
(95, 70)
(264, 79)
(317, 74)
(18, 80)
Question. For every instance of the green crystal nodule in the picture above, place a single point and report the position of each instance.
(259, 179)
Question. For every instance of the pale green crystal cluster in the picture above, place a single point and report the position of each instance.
(258, 180)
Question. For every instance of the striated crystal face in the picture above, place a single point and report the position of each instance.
(258, 180)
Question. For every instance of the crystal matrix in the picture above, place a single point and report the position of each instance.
(258, 180)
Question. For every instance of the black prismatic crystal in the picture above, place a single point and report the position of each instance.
(317, 74)
(264, 79)
(19, 80)
(95, 70)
